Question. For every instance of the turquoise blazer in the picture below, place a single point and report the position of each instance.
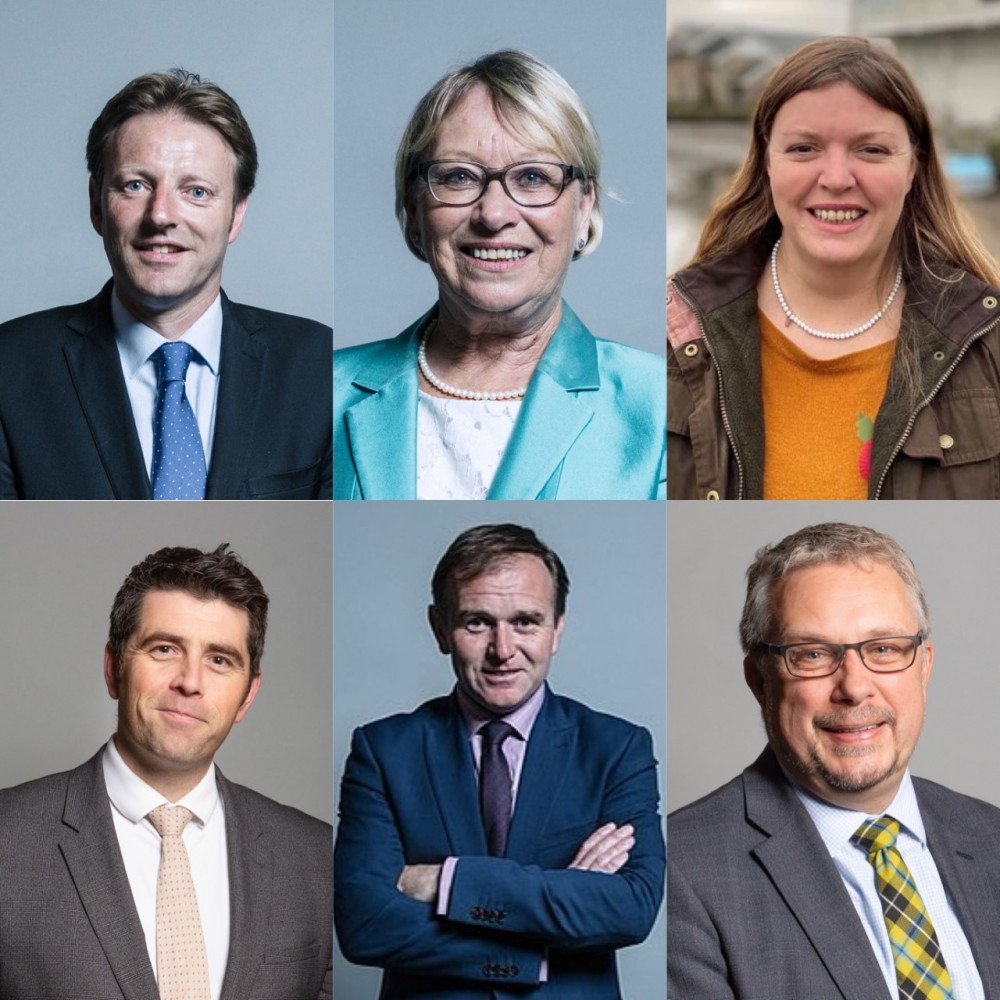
(592, 424)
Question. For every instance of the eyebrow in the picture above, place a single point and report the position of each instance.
(804, 133)
(879, 632)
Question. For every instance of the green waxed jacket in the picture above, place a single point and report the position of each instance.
(937, 436)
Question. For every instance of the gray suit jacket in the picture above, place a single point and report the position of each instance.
(757, 911)
(68, 925)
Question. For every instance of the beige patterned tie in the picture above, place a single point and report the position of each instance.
(181, 962)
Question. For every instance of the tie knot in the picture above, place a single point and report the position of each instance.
(169, 821)
(172, 361)
(495, 732)
(876, 835)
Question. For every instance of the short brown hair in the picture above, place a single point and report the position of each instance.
(219, 575)
(188, 95)
(481, 549)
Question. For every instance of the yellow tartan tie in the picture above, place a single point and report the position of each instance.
(920, 970)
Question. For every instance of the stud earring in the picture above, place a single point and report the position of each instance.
(580, 244)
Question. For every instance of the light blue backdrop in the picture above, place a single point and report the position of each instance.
(62, 60)
(390, 52)
(611, 657)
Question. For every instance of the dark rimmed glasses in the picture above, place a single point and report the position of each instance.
(531, 184)
(886, 654)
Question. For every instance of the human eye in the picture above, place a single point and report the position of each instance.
(456, 176)
(533, 177)
(133, 187)
(887, 651)
(525, 623)
(198, 193)
(811, 657)
(874, 151)
(475, 623)
(801, 148)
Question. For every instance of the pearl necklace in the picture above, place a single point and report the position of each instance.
(450, 389)
(847, 334)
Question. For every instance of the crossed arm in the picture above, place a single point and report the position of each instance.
(604, 895)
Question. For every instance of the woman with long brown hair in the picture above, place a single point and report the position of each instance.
(837, 333)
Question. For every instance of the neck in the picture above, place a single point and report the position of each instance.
(487, 355)
(168, 318)
(172, 784)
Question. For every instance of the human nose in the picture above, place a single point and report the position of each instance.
(188, 678)
(501, 644)
(853, 681)
(837, 172)
(161, 207)
(495, 208)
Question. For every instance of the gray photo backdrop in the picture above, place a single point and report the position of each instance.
(611, 656)
(61, 568)
(715, 724)
(62, 60)
(389, 53)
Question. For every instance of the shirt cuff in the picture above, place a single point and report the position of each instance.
(444, 885)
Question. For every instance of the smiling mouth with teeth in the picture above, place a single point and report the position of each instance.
(838, 215)
(498, 253)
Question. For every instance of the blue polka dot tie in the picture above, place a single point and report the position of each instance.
(178, 457)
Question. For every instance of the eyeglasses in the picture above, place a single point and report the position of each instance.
(884, 655)
(532, 184)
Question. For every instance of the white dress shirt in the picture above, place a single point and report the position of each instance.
(836, 826)
(460, 443)
(205, 839)
(137, 343)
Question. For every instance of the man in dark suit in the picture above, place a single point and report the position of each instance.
(504, 840)
(160, 387)
(89, 879)
(824, 870)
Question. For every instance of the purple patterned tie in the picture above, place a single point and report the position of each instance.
(494, 785)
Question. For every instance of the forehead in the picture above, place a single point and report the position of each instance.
(169, 136)
(184, 614)
(835, 108)
(520, 578)
(859, 596)
(473, 129)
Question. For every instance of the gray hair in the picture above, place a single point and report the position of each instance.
(532, 100)
(831, 542)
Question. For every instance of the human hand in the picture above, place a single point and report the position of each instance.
(606, 849)
(420, 882)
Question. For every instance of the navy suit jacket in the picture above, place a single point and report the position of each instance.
(66, 425)
(68, 922)
(409, 796)
(756, 909)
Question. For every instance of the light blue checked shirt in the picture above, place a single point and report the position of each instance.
(836, 825)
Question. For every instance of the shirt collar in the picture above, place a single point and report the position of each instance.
(134, 799)
(836, 825)
(522, 718)
(138, 342)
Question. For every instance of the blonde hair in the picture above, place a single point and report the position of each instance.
(532, 100)
(933, 232)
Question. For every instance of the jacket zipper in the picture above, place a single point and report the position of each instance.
(722, 395)
(926, 401)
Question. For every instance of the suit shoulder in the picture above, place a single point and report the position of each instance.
(614, 353)
(23, 806)
(281, 822)
(37, 330)
(593, 722)
(268, 322)
(403, 725)
(974, 812)
(721, 810)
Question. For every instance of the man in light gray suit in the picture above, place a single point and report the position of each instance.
(84, 889)
(779, 883)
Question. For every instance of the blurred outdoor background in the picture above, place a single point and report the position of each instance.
(720, 52)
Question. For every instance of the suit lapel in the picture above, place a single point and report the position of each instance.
(241, 371)
(96, 371)
(968, 860)
(798, 863)
(556, 409)
(250, 878)
(453, 780)
(382, 427)
(90, 849)
(546, 761)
